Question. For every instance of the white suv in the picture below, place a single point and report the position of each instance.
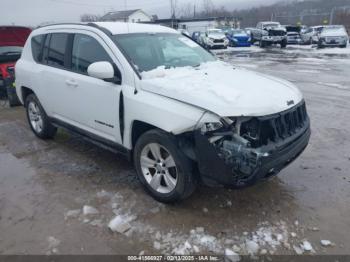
(149, 92)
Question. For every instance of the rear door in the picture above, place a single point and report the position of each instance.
(57, 96)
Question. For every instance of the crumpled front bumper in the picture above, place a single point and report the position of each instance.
(243, 166)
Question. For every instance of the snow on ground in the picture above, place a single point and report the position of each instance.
(314, 50)
(238, 49)
(339, 86)
(266, 239)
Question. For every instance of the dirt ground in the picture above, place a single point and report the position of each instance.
(44, 185)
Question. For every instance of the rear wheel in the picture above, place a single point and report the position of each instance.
(162, 168)
(37, 118)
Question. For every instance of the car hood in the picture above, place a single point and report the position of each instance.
(13, 35)
(339, 32)
(216, 36)
(240, 35)
(223, 89)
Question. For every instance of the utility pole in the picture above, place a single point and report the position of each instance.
(194, 10)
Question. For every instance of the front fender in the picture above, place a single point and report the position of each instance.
(162, 112)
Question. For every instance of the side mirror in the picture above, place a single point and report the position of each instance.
(105, 71)
(101, 70)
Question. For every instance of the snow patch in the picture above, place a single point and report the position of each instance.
(231, 255)
(72, 214)
(89, 210)
(326, 243)
(339, 86)
(306, 245)
(121, 223)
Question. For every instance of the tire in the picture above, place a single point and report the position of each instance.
(178, 182)
(38, 119)
(262, 44)
(13, 99)
(284, 44)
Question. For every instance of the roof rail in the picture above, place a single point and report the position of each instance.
(106, 31)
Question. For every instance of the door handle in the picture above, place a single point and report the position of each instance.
(71, 83)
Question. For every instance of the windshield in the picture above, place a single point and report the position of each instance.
(10, 50)
(271, 25)
(215, 32)
(333, 28)
(149, 51)
(238, 32)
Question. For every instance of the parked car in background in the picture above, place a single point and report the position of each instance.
(215, 38)
(333, 36)
(12, 40)
(238, 38)
(196, 36)
(310, 35)
(222, 125)
(269, 33)
(293, 35)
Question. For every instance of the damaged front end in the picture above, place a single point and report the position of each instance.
(239, 151)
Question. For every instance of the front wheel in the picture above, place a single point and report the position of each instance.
(37, 118)
(262, 44)
(162, 168)
(284, 44)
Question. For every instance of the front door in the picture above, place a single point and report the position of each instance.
(96, 102)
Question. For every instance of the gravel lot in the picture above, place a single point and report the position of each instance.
(44, 186)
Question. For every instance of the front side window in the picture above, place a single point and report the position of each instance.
(87, 50)
(149, 51)
(57, 49)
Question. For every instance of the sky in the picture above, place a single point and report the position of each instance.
(35, 12)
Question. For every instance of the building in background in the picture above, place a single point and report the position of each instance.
(199, 24)
(131, 16)
(203, 24)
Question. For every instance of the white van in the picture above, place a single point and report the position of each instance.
(158, 97)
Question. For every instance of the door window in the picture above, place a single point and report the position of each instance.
(86, 50)
(57, 50)
(37, 44)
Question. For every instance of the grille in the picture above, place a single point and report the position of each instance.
(218, 40)
(260, 131)
(276, 33)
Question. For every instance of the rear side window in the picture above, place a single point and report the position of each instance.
(57, 50)
(87, 50)
(37, 47)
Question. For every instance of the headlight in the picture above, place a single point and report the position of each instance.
(211, 39)
(211, 127)
(209, 123)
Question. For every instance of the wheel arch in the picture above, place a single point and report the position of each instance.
(25, 92)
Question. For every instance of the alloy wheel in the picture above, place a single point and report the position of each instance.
(159, 168)
(35, 117)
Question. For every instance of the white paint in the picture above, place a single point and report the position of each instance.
(89, 210)
(222, 89)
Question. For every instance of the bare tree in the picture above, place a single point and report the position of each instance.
(186, 11)
(208, 7)
(89, 18)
